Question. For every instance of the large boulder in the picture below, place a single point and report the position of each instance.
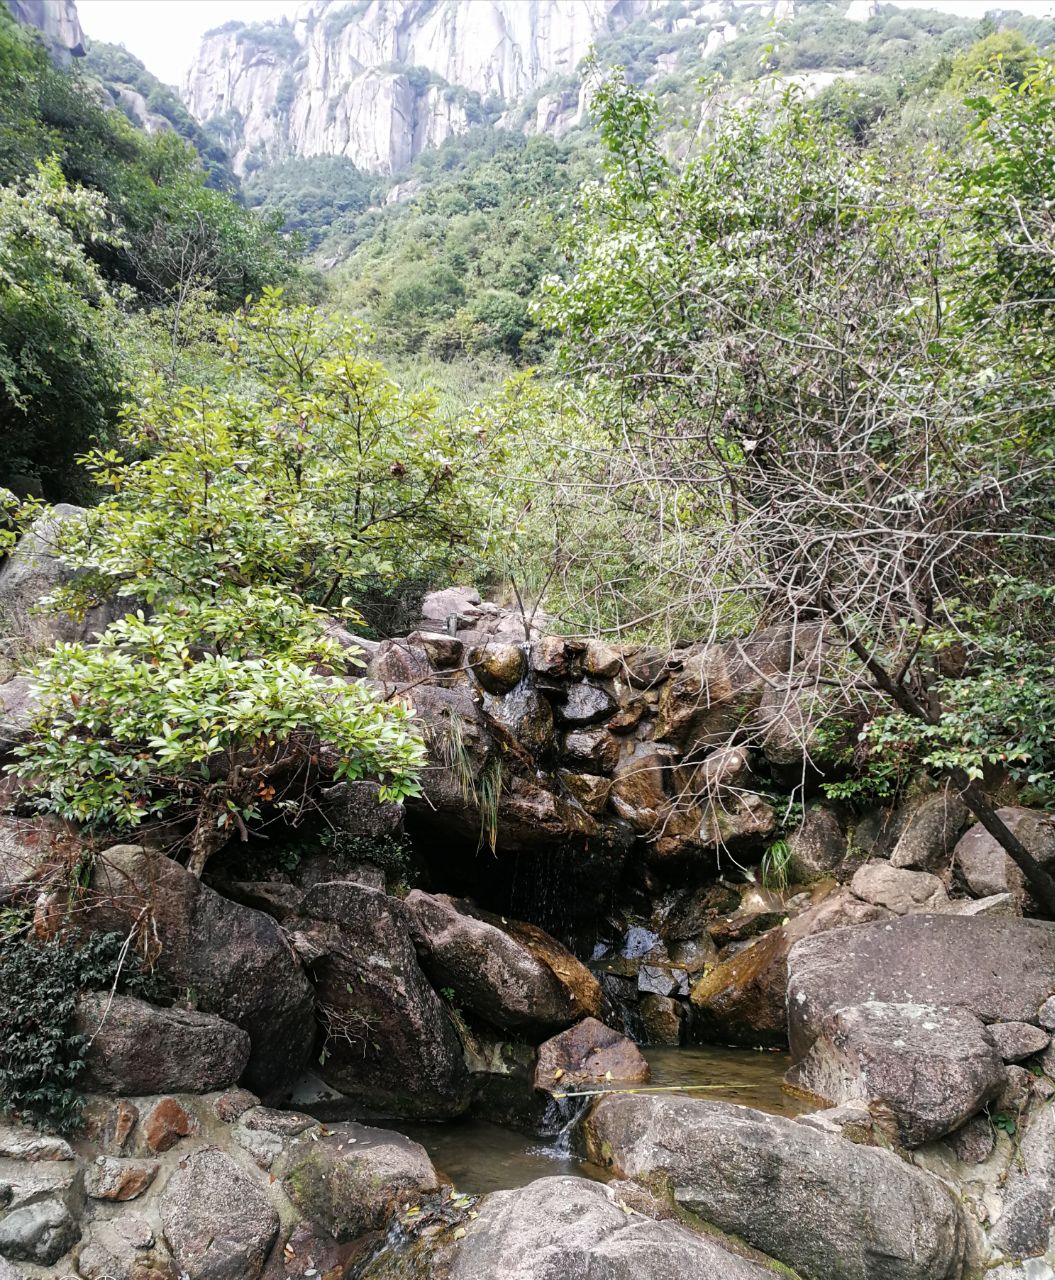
(999, 968)
(219, 1224)
(589, 1054)
(826, 1207)
(34, 850)
(390, 1045)
(136, 1048)
(925, 1070)
(742, 999)
(988, 870)
(563, 1227)
(236, 961)
(930, 833)
(351, 1179)
(817, 846)
(493, 973)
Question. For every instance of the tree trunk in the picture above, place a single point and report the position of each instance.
(1042, 885)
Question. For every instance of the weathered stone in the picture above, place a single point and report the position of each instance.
(930, 833)
(851, 1120)
(974, 1141)
(218, 1222)
(601, 659)
(112, 1179)
(165, 1124)
(275, 898)
(1016, 1041)
(493, 973)
(816, 847)
(997, 904)
(124, 1249)
(234, 1103)
(40, 1232)
(663, 1019)
(1000, 969)
(236, 960)
(1015, 1094)
(735, 821)
(352, 1178)
(594, 748)
(654, 980)
(17, 1143)
(356, 809)
(1046, 1014)
(528, 716)
(1021, 1219)
(379, 1006)
(444, 651)
(788, 723)
(398, 662)
(563, 1228)
(115, 1127)
(550, 656)
(137, 1048)
(498, 667)
(590, 790)
(742, 999)
(900, 891)
(985, 866)
(637, 793)
(588, 1054)
(34, 850)
(828, 1208)
(927, 1070)
(586, 704)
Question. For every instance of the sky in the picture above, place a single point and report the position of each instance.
(164, 34)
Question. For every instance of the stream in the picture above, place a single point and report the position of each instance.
(477, 1157)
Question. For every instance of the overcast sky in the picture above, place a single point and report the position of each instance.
(164, 34)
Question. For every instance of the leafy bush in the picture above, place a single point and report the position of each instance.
(41, 1059)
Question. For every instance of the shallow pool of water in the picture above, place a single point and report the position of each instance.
(478, 1157)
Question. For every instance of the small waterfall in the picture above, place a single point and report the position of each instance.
(561, 1118)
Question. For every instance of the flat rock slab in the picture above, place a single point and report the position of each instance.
(999, 968)
(822, 1205)
(560, 1228)
(925, 1070)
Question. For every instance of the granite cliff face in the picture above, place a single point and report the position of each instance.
(57, 22)
(380, 81)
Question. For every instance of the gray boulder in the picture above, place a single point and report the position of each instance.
(1016, 1041)
(137, 1048)
(390, 1044)
(237, 961)
(999, 968)
(925, 1071)
(352, 1179)
(492, 973)
(219, 1224)
(900, 891)
(930, 833)
(985, 866)
(40, 1232)
(828, 1208)
(565, 1228)
(817, 845)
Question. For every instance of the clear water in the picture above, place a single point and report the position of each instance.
(478, 1157)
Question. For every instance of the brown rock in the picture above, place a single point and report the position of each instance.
(663, 1018)
(586, 704)
(973, 1142)
(589, 789)
(637, 793)
(443, 651)
(111, 1179)
(588, 1054)
(550, 656)
(498, 667)
(742, 1000)
(234, 1103)
(601, 659)
(165, 1123)
(34, 850)
(594, 748)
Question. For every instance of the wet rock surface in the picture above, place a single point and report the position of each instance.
(588, 1054)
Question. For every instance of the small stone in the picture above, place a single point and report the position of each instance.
(1015, 1093)
(230, 1105)
(285, 1123)
(40, 1232)
(137, 1231)
(165, 1124)
(592, 747)
(997, 904)
(119, 1126)
(112, 1179)
(17, 1143)
(1016, 1041)
(601, 660)
(973, 1142)
(589, 789)
(653, 980)
(549, 656)
(1046, 1016)
(851, 1120)
(587, 704)
(901, 891)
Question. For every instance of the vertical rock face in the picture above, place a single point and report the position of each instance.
(378, 82)
(57, 22)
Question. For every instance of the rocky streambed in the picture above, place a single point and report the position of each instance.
(506, 1069)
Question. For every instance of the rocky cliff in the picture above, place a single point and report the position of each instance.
(57, 22)
(378, 81)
